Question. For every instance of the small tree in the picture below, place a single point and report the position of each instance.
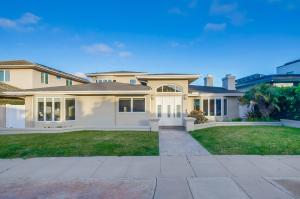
(199, 116)
(265, 97)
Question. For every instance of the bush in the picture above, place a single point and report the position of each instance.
(199, 116)
(238, 119)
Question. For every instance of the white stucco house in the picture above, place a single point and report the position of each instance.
(127, 100)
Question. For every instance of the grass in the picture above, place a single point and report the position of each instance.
(250, 140)
(80, 143)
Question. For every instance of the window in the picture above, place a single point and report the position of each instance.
(98, 81)
(225, 106)
(138, 105)
(197, 104)
(70, 109)
(178, 111)
(4, 75)
(212, 107)
(132, 81)
(58, 77)
(69, 82)
(44, 78)
(169, 89)
(132, 105)
(218, 107)
(48, 109)
(40, 109)
(125, 105)
(169, 110)
(205, 107)
(56, 109)
(158, 111)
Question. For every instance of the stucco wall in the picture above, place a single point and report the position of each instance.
(2, 116)
(21, 78)
(233, 107)
(91, 111)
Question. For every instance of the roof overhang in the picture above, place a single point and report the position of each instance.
(197, 94)
(190, 78)
(112, 74)
(115, 92)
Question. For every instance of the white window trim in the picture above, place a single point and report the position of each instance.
(169, 85)
(65, 108)
(131, 104)
(4, 75)
(52, 100)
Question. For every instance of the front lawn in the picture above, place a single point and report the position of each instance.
(80, 143)
(259, 140)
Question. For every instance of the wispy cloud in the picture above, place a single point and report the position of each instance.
(119, 44)
(286, 4)
(215, 27)
(27, 21)
(230, 11)
(218, 8)
(176, 11)
(98, 48)
(125, 54)
(113, 49)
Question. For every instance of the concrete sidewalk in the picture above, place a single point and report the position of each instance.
(160, 177)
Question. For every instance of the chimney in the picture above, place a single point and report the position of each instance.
(229, 82)
(209, 80)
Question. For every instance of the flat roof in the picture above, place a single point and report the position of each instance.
(212, 89)
(171, 76)
(24, 64)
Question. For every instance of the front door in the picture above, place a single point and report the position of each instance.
(169, 110)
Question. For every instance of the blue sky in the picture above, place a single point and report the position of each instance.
(186, 36)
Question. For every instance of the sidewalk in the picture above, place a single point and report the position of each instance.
(160, 177)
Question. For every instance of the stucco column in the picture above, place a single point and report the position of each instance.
(154, 124)
(189, 123)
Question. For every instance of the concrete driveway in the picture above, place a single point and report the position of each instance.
(163, 177)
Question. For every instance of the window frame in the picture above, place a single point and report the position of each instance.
(69, 82)
(194, 106)
(216, 107)
(175, 88)
(132, 80)
(53, 109)
(66, 106)
(131, 104)
(44, 78)
(5, 71)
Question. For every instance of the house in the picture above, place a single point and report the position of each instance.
(287, 75)
(292, 67)
(27, 75)
(128, 100)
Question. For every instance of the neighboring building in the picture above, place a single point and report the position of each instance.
(120, 103)
(27, 75)
(289, 68)
(287, 75)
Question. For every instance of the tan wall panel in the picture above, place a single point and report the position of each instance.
(2, 116)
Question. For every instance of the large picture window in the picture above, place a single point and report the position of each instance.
(138, 105)
(48, 109)
(169, 89)
(132, 105)
(197, 104)
(124, 105)
(70, 108)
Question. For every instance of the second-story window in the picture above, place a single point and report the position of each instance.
(69, 82)
(44, 78)
(4, 76)
(133, 82)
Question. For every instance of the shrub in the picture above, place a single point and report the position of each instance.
(199, 116)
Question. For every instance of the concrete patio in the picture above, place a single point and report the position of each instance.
(173, 177)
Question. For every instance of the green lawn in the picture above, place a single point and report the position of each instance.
(260, 140)
(80, 143)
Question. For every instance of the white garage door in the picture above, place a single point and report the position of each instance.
(15, 116)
